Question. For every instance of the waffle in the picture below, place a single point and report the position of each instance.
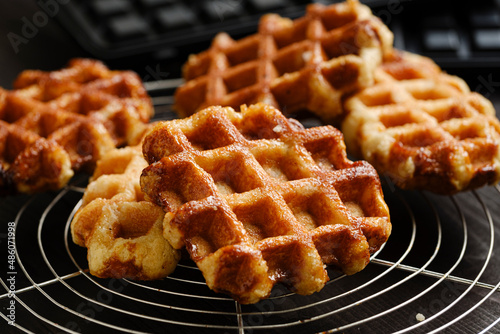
(121, 231)
(306, 64)
(257, 200)
(424, 128)
(53, 124)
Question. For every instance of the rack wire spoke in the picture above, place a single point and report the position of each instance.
(487, 260)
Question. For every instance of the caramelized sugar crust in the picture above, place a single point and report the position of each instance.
(424, 128)
(53, 124)
(122, 232)
(256, 199)
(306, 64)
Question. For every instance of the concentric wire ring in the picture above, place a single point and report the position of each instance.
(438, 272)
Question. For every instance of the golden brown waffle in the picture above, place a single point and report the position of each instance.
(424, 128)
(122, 231)
(53, 124)
(256, 199)
(305, 64)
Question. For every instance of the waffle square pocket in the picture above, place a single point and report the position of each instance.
(122, 232)
(424, 128)
(309, 63)
(54, 124)
(256, 199)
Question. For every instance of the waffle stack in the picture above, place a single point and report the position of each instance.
(53, 124)
(121, 231)
(256, 199)
(424, 128)
(306, 64)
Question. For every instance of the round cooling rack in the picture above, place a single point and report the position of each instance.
(439, 272)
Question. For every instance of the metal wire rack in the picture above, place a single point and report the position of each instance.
(439, 271)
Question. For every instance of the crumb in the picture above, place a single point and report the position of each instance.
(420, 317)
(278, 128)
(306, 56)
